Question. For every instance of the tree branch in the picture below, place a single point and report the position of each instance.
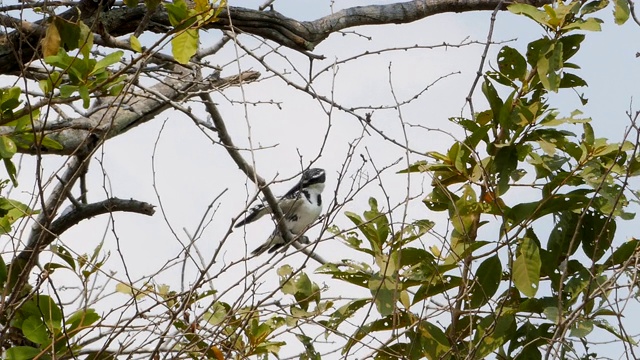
(249, 171)
(118, 115)
(21, 46)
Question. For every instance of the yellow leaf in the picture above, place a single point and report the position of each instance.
(202, 6)
(135, 44)
(51, 41)
(184, 45)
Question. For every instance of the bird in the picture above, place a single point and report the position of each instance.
(301, 206)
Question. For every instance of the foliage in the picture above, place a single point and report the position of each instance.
(509, 289)
(495, 284)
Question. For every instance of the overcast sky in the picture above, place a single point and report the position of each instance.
(190, 171)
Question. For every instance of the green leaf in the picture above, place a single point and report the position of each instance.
(177, 11)
(82, 319)
(299, 285)
(492, 96)
(12, 171)
(505, 163)
(345, 312)
(492, 333)
(565, 237)
(384, 290)
(21, 353)
(84, 94)
(217, 313)
(526, 268)
(67, 90)
(35, 330)
(135, 43)
(570, 45)
(511, 63)
(530, 11)
(538, 49)
(438, 285)
(8, 148)
(571, 81)
(486, 283)
(624, 253)
(3, 273)
(590, 24)
(435, 342)
(594, 6)
(392, 322)
(603, 324)
(549, 67)
(581, 328)
(184, 45)
(598, 231)
(110, 59)
(621, 11)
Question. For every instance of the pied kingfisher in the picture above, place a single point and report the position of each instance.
(301, 206)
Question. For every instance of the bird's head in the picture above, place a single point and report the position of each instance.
(312, 177)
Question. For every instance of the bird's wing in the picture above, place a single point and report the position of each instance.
(254, 214)
(288, 204)
(294, 192)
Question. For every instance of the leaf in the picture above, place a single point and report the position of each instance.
(396, 321)
(110, 59)
(50, 311)
(590, 24)
(384, 290)
(594, 6)
(3, 273)
(621, 11)
(505, 163)
(511, 63)
(581, 328)
(21, 353)
(135, 43)
(216, 314)
(598, 231)
(571, 45)
(492, 96)
(345, 312)
(486, 283)
(492, 333)
(8, 148)
(12, 171)
(530, 11)
(35, 330)
(622, 254)
(51, 41)
(177, 12)
(571, 80)
(438, 285)
(549, 66)
(435, 342)
(84, 94)
(526, 268)
(82, 319)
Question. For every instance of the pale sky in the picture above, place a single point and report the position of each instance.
(190, 171)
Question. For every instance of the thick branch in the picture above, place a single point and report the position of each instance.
(19, 47)
(118, 115)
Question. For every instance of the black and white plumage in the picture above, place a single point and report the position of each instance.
(301, 206)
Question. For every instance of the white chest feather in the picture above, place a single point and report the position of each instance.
(308, 208)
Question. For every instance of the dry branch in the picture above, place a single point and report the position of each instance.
(20, 46)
